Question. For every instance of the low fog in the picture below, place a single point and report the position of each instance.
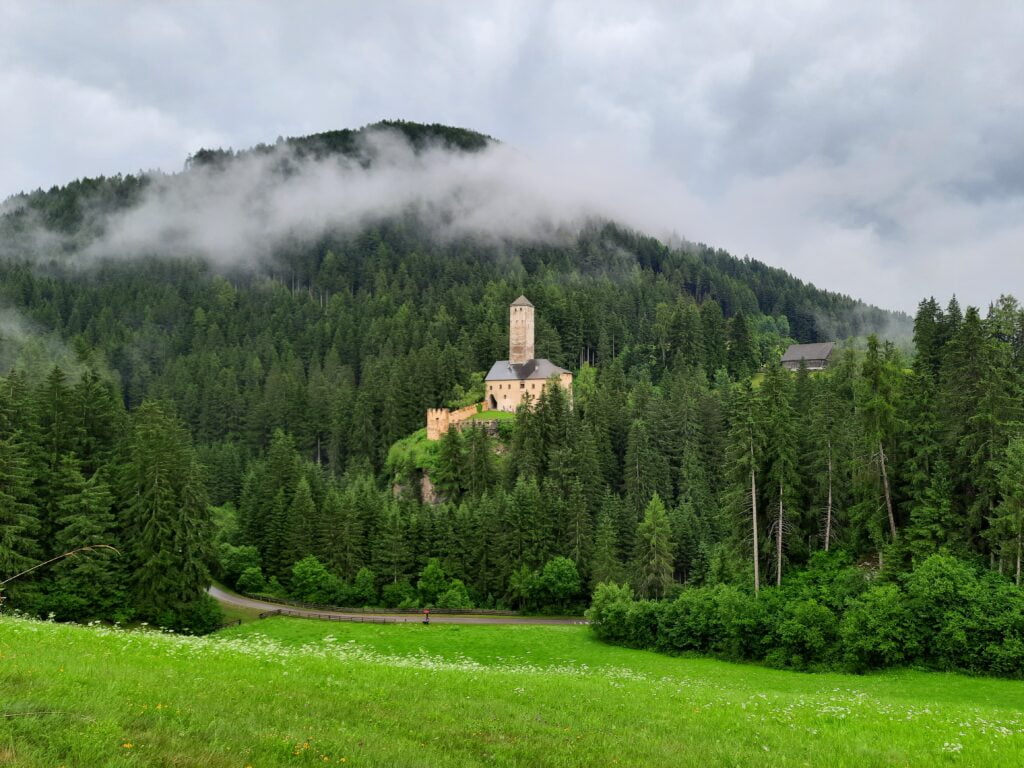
(238, 214)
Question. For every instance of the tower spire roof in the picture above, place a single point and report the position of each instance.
(522, 301)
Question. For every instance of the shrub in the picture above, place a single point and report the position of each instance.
(364, 588)
(941, 594)
(745, 623)
(251, 580)
(432, 582)
(234, 561)
(608, 609)
(399, 593)
(456, 597)
(312, 582)
(877, 629)
(559, 581)
(196, 617)
(805, 633)
(641, 625)
(691, 622)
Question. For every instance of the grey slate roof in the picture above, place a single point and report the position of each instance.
(522, 301)
(502, 370)
(798, 352)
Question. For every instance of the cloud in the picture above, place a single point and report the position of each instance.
(239, 214)
(869, 147)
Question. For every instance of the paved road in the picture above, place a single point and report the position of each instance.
(379, 618)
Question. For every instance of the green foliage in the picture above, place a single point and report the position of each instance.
(251, 580)
(559, 581)
(312, 583)
(878, 630)
(364, 588)
(943, 615)
(432, 582)
(652, 561)
(456, 597)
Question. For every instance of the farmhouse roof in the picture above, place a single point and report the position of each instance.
(503, 370)
(798, 352)
(522, 301)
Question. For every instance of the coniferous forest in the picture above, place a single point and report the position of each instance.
(260, 425)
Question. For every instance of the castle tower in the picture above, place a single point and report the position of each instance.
(520, 331)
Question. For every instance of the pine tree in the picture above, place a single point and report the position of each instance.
(604, 563)
(18, 521)
(165, 521)
(480, 474)
(652, 559)
(448, 474)
(1008, 521)
(743, 459)
(781, 452)
(90, 585)
(341, 534)
(876, 396)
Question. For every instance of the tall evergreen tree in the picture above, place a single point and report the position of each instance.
(652, 558)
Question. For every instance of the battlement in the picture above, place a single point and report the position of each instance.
(440, 420)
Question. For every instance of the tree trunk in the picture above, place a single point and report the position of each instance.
(828, 505)
(778, 542)
(753, 517)
(1020, 546)
(888, 494)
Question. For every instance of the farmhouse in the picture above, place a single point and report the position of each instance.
(509, 381)
(815, 356)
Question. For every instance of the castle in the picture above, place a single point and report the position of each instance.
(509, 381)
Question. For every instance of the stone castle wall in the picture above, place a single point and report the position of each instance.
(440, 420)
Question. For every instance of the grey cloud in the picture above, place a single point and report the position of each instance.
(869, 147)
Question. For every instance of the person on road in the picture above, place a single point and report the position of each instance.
(426, 615)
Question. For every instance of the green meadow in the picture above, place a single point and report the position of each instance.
(293, 692)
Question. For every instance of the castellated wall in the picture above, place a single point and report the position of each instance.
(440, 420)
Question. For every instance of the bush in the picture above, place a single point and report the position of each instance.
(312, 582)
(398, 594)
(456, 597)
(432, 582)
(559, 581)
(877, 629)
(805, 633)
(234, 561)
(642, 620)
(942, 592)
(745, 621)
(945, 614)
(364, 588)
(197, 617)
(607, 612)
(691, 622)
(251, 580)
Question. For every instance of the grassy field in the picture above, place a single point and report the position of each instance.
(293, 692)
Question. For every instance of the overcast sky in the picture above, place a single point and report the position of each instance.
(873, 149)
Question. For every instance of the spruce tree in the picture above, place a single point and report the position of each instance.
(165, 520)
(605, 565)
(18, 522)
(652, 557)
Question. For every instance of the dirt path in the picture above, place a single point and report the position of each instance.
(380, 618)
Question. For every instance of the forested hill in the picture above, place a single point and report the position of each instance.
(59, 224)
